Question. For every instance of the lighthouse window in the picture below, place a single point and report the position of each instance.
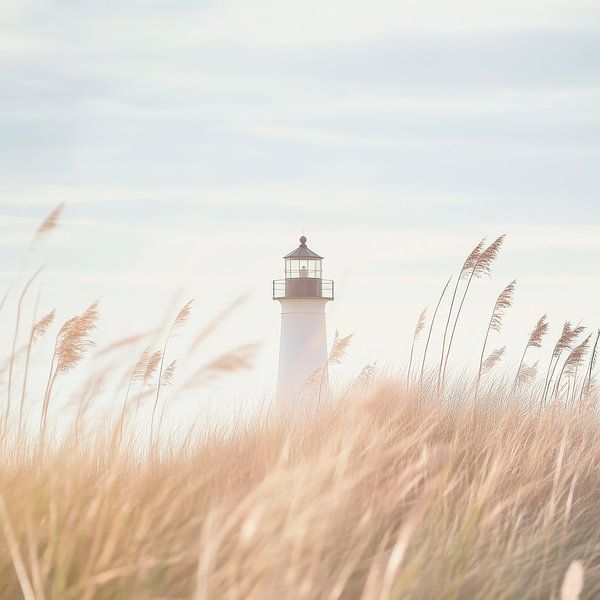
(298, 268)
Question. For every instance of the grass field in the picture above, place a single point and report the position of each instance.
(418, 485)
(385, 495)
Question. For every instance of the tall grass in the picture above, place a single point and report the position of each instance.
(381, 497)
(447, 487)
(504, 302)
(525, 374)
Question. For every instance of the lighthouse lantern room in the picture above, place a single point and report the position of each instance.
(303, 276)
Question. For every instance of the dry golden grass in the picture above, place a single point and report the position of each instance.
(472, 488)
(384, 495)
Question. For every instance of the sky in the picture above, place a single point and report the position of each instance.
(194, 142)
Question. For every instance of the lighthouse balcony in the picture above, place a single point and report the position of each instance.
(303, 287)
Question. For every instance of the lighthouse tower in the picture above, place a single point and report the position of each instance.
(303, 295)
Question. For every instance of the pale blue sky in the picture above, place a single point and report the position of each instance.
(192, 142)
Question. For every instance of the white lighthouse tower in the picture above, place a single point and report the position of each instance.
(303, 295)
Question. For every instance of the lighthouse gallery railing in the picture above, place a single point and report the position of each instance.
(303, 287)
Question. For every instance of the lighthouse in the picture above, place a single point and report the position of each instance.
(303, 295)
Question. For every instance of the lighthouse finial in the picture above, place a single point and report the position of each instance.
(303, 240)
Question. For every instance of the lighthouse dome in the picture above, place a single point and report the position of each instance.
(303, 251)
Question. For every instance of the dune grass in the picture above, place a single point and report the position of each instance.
(387, 494)
(424, 485)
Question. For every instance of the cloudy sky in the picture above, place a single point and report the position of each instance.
(193, 142)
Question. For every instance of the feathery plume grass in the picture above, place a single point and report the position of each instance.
(484, 263)
(503, 303)
(538, 333)
(481, 266)
(418, 329)
(237, 359)
(48, 224)
(140, 368)
(492, 360)
(574, 361)
(535, 341)
(365, 378)
(526, 375)
(182, 317)
(124, 343)
(169, 374)
(567, 338)
(577, 356)
(590, 370)
(73, 340)
(336, 355)
(151, 367)
(41, 327)
(468, 266)
(72, 343)
(339, 348)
